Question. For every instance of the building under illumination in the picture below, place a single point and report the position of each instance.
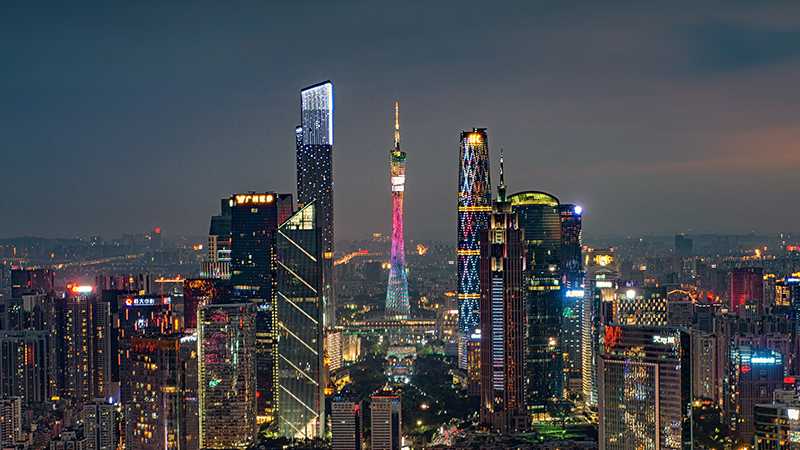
(346, 417)
(254, 219)
(314, 139)
(602, 274)
(387, 422)
(572, 279)
(645, 388)
(227, 375)
(156, 414)
(397, 307)
(502, 314)
(298, 301)
(474, 206)
(754, 374)
(539, 214)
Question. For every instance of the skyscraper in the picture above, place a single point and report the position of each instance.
(539, 214)
(387, 421)
(474, 205)
(645, 388)
(227, 375)
(156, 416)
(397, 290)
(254, 219)
(572, 278)
(300, 361)
(346, 416)
(602, 273)
(314, 139)
(502, 314)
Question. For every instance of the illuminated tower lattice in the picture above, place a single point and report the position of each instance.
(397, 292)
(474, 206)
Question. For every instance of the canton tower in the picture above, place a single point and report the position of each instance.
(397, 292)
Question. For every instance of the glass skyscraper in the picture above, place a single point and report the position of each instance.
(254, 220)
(540, 216)
(645, 388)
(474, 206)
(314, 140)
(572, 279)
(397, 307)
(300, 362)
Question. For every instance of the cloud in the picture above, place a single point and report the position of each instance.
(717, 45)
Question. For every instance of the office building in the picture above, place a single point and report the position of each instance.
(314, 139)
(346, 416)
(645, 388)
(539, 214)
(386, 420)
(219, 235)
(139, 316)
(572, 278)
(474, 206)
(502, 313)
(747, 283)
(254, 219)
(473, 353)
(602, 273)
(100, 425)
(227, 375)
(754, 375)
(156, 414)
(397, 307)
(299, 305)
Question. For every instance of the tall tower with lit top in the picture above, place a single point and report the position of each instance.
(474, 206)
(397, 292)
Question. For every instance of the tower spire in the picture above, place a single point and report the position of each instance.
(501, 190)
(396, 127)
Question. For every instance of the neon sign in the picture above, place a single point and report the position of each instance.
(254, 198)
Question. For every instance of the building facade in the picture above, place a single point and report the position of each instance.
(314, 139)
(346, 411)
(386, 420)
(474, 206)
(602, 274)
(572, 279)
(254, 219)
(502, 314)
(299, 305)
(645, 388)
(227, 375)
(539, 214)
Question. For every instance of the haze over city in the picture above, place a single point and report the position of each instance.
(657, 118)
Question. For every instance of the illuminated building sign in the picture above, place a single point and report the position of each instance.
(82, 289)
(604, 284)
(666, 340)
(794, 414)
(254, 199)
(149, 301)
(762, 360)
(574, 293)
(603, 260)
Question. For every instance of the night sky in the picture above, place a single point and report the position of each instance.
(657, 117)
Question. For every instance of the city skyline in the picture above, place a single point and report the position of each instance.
(655, 123)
